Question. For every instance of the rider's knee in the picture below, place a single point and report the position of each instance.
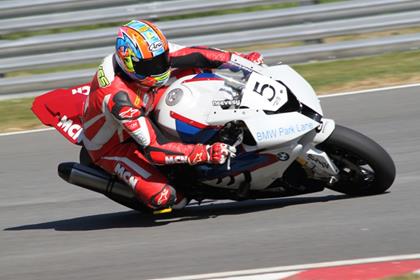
(164, 198)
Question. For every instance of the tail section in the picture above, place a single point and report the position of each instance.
(63, 109)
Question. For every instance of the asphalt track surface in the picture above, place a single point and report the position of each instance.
(52, 230)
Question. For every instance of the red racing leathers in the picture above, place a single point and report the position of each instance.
(120, 137)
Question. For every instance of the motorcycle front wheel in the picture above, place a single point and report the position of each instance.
(365, 168)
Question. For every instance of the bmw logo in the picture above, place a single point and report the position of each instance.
(174, 96)
(283, 156)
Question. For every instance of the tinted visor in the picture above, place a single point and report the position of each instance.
(153, 66)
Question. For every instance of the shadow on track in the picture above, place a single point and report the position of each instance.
(208, 210)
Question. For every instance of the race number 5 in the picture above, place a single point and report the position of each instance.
(265, 90)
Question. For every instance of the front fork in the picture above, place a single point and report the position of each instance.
(317, 162)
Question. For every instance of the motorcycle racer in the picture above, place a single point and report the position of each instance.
(119, 134)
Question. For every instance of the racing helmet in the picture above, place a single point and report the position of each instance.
(142, 52)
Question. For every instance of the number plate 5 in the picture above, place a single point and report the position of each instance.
(263, 92)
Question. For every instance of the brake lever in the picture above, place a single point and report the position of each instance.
(228, 163)
(237, 143)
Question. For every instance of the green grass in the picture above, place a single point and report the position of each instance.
(363, 72)
(325, 77)
(405, 277)
(16, 115)
(52, 69)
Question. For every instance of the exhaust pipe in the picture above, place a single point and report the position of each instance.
(100, 182)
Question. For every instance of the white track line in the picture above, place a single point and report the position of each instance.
(27, 131)
(321, 96)
(290, 268)
(369, 90)
(266, 276)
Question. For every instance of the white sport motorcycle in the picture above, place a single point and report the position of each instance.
(274, 119)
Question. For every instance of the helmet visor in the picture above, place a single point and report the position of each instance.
(153, 66)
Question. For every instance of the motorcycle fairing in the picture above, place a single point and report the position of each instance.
(203, 77)
(296, 83)
(286, 75)
(261, 99)
(244, 162)
(191, 131)
(324, 131)
(276, 129)
(182, 114)
(264, 93)
(62, 109)
(319, 162)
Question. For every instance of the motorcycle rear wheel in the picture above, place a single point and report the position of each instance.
(365, 167)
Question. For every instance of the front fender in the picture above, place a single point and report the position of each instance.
(325, 130)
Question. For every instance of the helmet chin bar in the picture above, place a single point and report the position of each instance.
(153, 82)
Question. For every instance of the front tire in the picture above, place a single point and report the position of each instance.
(365, 167)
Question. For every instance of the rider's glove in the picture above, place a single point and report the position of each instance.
(253, 56)
(217, 153)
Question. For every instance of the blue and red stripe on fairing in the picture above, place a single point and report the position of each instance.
(191, 131)
(204, 77)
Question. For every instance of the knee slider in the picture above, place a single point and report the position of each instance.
(164, 198)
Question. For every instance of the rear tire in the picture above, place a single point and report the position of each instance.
(365, 167)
